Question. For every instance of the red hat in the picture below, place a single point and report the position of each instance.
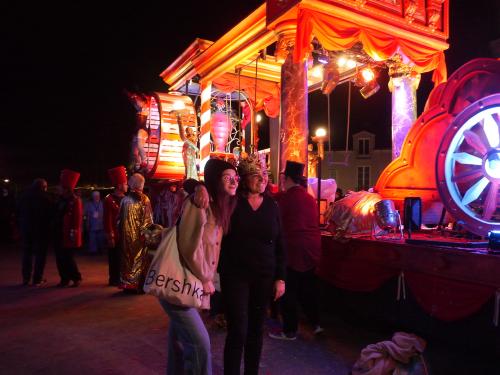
(69, 178)
(118, 175)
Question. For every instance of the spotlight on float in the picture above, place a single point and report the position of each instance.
(494, 241)
(330, 78)
(258, 118)
(367, 79)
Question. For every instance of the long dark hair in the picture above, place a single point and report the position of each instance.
(221, 203)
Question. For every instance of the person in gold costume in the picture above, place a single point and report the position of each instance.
(134, 218)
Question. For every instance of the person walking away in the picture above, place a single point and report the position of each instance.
(68, 227)
(302, 238)
(94, 212)
(118, 177)
(35, 211)
(199, 236)
(252, 265)
(134, 218)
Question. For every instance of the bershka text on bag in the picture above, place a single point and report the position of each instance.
(163, 281)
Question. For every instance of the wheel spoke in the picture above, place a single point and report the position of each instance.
(467, 176)
(475, 142)
(475, 191)
(465, 158)
(490, 204)
(490, 128)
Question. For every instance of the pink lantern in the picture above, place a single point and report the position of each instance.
(220, 129)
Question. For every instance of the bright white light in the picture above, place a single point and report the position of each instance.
(491, 130)
(492, 165)
(351, 64)
(368, 75)
(6, 180)
(317, 72)
(475, 191)
(258, 118)
(320, 132)
(178, 105)
(341, 61)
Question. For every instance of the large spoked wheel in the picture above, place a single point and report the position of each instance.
(468, 166)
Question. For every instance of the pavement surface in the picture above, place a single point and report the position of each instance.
(97, 329)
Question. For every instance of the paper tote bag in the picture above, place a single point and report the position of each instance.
(169, 279)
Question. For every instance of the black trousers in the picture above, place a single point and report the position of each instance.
(245, 300)
(66, 265)
(301, 289)
(34, 248)
(114, 264)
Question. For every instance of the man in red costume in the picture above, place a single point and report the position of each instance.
(118, 177)
(68, 226)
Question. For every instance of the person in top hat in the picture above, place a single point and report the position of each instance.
(135, 216)
(299, 213)
(118, 177)
(68, 226)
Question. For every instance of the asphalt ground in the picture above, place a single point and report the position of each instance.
(98, 329)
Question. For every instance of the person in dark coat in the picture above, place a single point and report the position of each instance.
(251, 267)
(35, 211)
(68, 227)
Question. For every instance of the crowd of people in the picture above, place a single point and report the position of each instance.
(256, 247)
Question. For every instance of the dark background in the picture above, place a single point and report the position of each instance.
(65, 66)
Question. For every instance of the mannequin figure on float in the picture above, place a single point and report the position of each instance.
(189, 149)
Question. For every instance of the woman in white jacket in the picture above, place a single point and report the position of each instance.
(199, 238)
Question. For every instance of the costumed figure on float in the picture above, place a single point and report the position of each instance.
(189, 149)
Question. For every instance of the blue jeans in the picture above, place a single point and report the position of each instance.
(188, 342)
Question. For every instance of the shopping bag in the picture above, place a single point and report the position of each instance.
(169, 279)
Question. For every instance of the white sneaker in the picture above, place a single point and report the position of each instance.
(283, 336)
(318, 330)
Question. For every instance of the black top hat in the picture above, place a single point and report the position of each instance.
(294, 170)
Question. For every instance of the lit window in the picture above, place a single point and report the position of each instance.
(363, 178)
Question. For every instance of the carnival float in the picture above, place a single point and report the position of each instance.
(447, 159)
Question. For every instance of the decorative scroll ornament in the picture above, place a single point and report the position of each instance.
(434, 14)
(360, 3)
(410, 9)
(284, 46)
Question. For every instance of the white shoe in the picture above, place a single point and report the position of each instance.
(318, 330)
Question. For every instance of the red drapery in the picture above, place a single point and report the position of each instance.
(268, 93)
(338, 34)
(359, 267)
(447, 299)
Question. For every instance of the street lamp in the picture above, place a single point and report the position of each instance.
(319, 138)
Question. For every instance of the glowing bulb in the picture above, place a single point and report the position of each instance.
(258, 118)
(320, 132)
(6, 180)
(178, 105)
(368, 75)
(341, 61)
(317, 72)
(351, 64)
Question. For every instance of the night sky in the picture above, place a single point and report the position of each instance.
(65, 67)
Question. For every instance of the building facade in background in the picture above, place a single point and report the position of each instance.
(360, 167)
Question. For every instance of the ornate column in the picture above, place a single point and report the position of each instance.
(403, 85)
(205, 117)
(294, 127)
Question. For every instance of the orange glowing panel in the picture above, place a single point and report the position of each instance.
(163, 147)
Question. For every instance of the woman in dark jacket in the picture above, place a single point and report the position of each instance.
(252, 268)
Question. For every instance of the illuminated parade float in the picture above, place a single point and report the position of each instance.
(445, 163)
